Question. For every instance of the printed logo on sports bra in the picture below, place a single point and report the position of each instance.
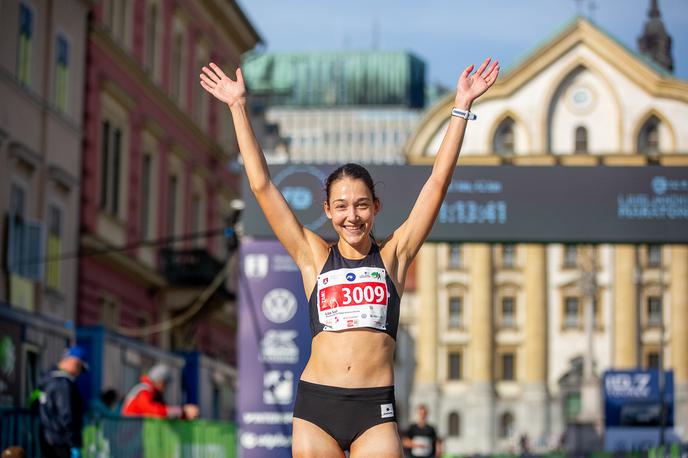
(353, 298)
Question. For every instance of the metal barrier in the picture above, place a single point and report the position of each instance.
(669, 451)
(114, 437)
(125, 437)
(19, 427)
(128, 437)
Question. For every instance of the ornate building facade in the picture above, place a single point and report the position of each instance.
(500, 329)
(42, 72)
(155, 168)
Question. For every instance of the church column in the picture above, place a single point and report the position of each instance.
(625, 308)
(535, 345)
(426, 384)
(480, 415)
(678, 272)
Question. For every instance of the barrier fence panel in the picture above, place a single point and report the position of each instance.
(124, 437)
(18, 427)
(198, 439)
(114, 437)
(117, 437)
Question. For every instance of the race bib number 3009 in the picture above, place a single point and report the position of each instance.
(353, 298)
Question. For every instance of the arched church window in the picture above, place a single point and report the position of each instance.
(454, 425)
(506, 425)
(581, 145)
(504, 142)
(648, 138)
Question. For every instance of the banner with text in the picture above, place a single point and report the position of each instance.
(274, 346)
(508, 203)
(633, 415)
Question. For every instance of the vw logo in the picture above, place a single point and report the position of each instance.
(279, 305)
(351, 276)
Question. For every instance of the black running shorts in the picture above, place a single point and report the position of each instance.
(344, 413)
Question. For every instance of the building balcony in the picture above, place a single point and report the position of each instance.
(189, 267)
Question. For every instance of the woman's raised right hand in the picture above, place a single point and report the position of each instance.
(214, 80)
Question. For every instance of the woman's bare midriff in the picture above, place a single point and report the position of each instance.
(358, 358)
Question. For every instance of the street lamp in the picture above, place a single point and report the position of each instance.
(590, 411)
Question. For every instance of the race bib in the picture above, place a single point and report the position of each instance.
(353, 298)
(422, 446)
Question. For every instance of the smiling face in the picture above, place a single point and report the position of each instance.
(352, 209)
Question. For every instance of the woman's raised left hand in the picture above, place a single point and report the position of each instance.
(471, 86)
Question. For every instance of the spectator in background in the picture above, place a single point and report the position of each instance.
(61, 408)
(524, 445)
(146, 398)
(110, 398)
(420, 439)
(107, 404)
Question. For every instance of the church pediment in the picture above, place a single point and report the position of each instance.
(578, 44)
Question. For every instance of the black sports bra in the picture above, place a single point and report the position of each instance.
(354, 293)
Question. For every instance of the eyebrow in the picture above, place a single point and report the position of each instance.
(362, 199)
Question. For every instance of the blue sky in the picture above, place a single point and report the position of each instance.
(450, 34)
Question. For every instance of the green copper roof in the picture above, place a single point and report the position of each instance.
(323, 79)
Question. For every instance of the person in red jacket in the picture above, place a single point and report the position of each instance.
(146, 398)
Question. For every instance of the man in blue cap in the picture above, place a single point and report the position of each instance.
(61, 407)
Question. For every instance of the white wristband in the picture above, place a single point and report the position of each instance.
(467, 115)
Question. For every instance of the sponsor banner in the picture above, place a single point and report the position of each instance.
(632, 398)
(516, 203)
(619, 439)
(274, 346)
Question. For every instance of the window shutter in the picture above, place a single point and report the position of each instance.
(15, 244)
(52, 267)
(32, 265)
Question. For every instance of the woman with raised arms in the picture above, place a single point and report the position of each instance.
(345, 398)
